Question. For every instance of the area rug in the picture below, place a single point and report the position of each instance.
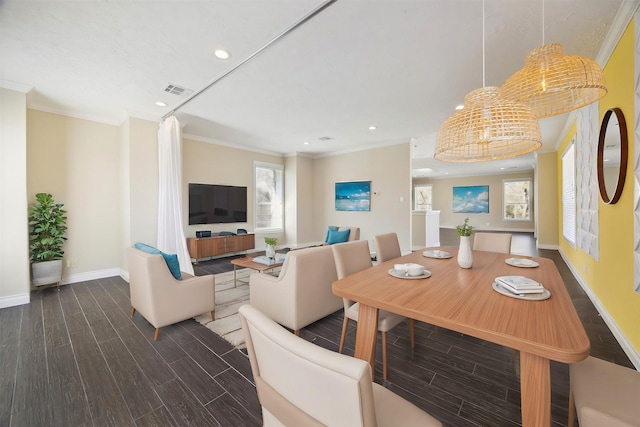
(228, 300)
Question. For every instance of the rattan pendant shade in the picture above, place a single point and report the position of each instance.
(488, 128)
(552, 83)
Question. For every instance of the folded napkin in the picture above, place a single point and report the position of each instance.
(263, 259)
(520, 284)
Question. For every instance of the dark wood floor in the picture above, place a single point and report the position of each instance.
(76, 358)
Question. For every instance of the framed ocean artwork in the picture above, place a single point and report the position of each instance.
(471, 199)
(353, 196)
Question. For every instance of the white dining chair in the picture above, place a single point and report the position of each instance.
(302, 384)
(352, 257)
(387, 247)
(492, 242)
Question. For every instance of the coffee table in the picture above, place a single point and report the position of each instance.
(247, 262)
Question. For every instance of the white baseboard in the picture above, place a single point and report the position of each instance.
(551, 247)
(14, 300)
(627, 347)
(90, 275)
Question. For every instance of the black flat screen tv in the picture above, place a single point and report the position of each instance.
(217, 204)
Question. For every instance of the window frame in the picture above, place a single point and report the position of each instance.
(415, 198)
(273, 166)
(568, 196)
(504, 201)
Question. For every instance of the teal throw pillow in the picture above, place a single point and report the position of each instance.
(331, 228)
(173, 264)
(171, 259)
(336, 236)
(146, 248)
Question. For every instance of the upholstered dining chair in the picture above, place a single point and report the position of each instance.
(387, 247)
(352, 257)
(302, 384)
(603, 394)
(492, 242)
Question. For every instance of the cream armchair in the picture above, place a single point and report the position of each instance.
(302, 384)
(160, 298)
(301, 294)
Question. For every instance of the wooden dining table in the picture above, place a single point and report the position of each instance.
(464, 300)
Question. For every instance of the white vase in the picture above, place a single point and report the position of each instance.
(271, 251)
(465, 256)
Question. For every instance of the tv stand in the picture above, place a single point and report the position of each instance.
(206, 247)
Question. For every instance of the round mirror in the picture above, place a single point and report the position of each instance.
(612, 155)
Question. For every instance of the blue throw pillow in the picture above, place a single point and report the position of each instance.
(331, 228)
(171, 259)
(146, 248)
(173, 264)
(336, 236)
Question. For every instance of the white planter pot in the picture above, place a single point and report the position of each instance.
(465, 256)
(271, 251)
(47, 272)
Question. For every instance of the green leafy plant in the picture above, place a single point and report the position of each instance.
(271, 241)
(48, 224)
(464, 229)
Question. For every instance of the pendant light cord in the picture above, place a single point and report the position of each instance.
(542, 23)
(483, 64)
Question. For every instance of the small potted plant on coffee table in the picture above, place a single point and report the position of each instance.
(271, 243)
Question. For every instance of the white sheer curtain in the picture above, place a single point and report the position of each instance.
(170, 233)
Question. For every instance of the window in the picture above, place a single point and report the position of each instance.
(516, 199)
(422, 198)
(569, 195)
(268, 186)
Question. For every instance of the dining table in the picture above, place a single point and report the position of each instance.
(464, 300)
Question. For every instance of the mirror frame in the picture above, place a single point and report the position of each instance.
(624, 153)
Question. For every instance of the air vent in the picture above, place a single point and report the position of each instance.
(177, 90)
(325, 138)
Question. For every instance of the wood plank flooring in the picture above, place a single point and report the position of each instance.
(75, 357)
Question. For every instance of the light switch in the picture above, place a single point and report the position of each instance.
(401, 199)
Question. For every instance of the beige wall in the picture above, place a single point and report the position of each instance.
(14, 230)
(77, 161)
(443, 201)
(208, 163)
(389, 170)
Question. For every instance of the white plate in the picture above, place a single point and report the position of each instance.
(521, 262)
(531, 297)
(436, 254)
(403, 275)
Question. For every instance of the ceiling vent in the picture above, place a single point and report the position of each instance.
(177, 90)
(325, 138)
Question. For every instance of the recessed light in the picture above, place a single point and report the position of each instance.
(372, 128)
(306, 143)
(161, 104)
(221, 54)
(459, 107)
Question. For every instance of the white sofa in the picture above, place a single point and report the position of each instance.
(301, 294)
(160, 297)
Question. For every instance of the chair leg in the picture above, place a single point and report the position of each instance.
(345, 325)
(155, 337)
(572, 409)
(213, 315)
(411, 334)
(133, 311)
(384, 356)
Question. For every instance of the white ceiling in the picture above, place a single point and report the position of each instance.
(401, 65)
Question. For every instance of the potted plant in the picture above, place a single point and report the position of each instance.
(271, 243)
(47, 227)
(465, 256)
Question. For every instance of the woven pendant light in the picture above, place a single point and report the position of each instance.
(488, 128)
(552, 83)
